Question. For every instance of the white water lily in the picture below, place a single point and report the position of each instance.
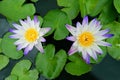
(87, 38)
(29, 34)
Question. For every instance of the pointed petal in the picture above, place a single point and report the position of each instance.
(17, 26)
(44, 31)
(24, 25)
(102, 32)
(15, 36)
(28, 19)
(35, 19)
(28, 48)
(85, 56)
(73, 49)
(71, 29)
(108, 35)
(71, 38)
(85, 21)
(97, 49)
(103, 43)
(21, 46)
(92, 53)
(39, 47)
(42, 39)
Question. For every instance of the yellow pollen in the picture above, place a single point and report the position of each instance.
(86, 39)
(31, 35)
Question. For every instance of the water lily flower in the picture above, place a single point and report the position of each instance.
(29, 34)
(87, 38)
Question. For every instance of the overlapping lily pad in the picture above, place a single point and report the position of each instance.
(9, 48)
(50, 64)
(77, 66)
(16, 9)
(57, 20)
(21, 71)
(4, 60)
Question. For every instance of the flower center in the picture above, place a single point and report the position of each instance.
(31, 35)
(86, 39)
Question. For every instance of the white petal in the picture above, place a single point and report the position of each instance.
(21, 46)
(43, 31)
(71, 29)
(42, 39)
(103, 43)
(28, 48)
(39, 47)
(17, 26)
(24, 25)
(15, 36)
(71, 38)
(97, 49)
(85, 21)
(85, 56)
(73, 49)
(102, 32)
(92, 53)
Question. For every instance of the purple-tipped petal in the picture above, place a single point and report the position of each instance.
(108, 35)
(71, 38)
(102, 43)
(35, 19)
(21, 46)
(44, 31)
(71, 29)
(15, 36)
(102, 32)
(28, 19)
(72, 50)
(85, 21)
(11, 30)
(97, 49)
(39, 47)
(86, 57)
(17, 26)
(92, 53)
(43, 39)
(27, 49)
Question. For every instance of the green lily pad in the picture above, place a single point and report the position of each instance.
(57, 20)
(108, 14)
(11, 77)
(34, 0)
(9, 49)
(77, 66)
(16, 10)
(4, 60)
(21, 71)
(71, 7)
(114, 51)
(50, 64)
(0, 45)
(117, 5)
(91, 7)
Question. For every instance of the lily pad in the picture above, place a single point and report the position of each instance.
(0, 45)
(21, 71)
(9, 49)
(114, 51)
(17, 9)
(71, 7)
(11, 77)
(117, 5)
(57, 20)
(4, 60)
(77, 66)
(50, 64)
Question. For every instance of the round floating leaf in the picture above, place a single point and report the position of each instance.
(57, 20)
(114, 51)
(11, 77)
(92, 7)
(34, 0)
(50, 64)
(108, 14)
(117, 5)
(0, 45)
(9, 49)
(77, 66)
(4, 60)
(21, 70)
(71, 7)
(16, 9)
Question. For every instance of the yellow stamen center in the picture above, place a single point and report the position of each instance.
(31, 35)
(86, 39)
